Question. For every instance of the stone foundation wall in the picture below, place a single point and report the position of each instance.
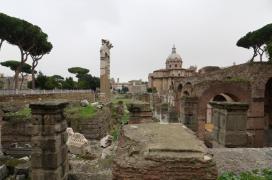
(15, 131)
(96, 127)
(26, 99)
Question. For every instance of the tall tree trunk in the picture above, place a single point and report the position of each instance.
(22, 81)
(254, 55)
(34, 64)
(24, 56)
(1, 43)
(16, 76)
(33, 80)
(261, 52)
(35, 60)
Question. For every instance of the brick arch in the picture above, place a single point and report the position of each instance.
(188, 87)
(238, 92)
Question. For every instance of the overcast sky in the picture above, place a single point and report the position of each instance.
(142, 32)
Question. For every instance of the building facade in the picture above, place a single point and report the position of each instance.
(163, 79)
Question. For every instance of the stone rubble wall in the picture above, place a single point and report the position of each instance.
(96, 127)
(15, 132)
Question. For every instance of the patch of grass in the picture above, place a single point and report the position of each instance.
(86, 156)
(265, 174)
(115, 133)
(81, 112)
(24, 113)
(117, 129)
(14, 162)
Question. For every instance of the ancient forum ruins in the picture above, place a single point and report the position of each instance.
(243, 119)
(105, 71)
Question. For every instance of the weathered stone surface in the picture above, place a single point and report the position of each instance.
(239, 160)
(94, 128)
(76, 143)
(84, 103)
(106, 141)
(161, 151)
(105, 71)
(3, 171)
(230, 123)
(49, 153)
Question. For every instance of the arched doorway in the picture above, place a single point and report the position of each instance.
(186, 94)
(219, 98)
(268, 111)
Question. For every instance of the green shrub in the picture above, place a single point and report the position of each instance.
(265, 174)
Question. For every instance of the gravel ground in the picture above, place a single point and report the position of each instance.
(242, 159)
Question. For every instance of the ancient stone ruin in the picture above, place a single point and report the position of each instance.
(105, 92)
(49, 157)
(161, 151)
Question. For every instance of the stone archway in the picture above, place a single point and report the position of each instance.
(186, 93)
(219, 98)
(268, 111)
(188, 87)
(220, 91)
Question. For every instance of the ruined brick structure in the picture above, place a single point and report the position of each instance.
(49, 158)
(248, 83)
(154, 151)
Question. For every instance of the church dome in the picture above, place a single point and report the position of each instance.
(174, 61)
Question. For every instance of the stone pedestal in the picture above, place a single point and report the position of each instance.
(188, 112)
(49, 158)
(161, 152)
(230, 120)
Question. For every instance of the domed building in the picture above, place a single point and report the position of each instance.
(163, 79)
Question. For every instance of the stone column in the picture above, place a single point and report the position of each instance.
(49, 158)
(105, 92)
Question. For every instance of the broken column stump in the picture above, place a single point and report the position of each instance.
(49, 157)
(156, 151)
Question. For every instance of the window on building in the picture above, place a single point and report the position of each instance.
(176, 65)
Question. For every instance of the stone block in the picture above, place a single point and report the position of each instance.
(233, 122)
(47, 144)
(233, 138)
(47, 160)
(3, 171)
(258, 137)
(156, 151)
(47, 174)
